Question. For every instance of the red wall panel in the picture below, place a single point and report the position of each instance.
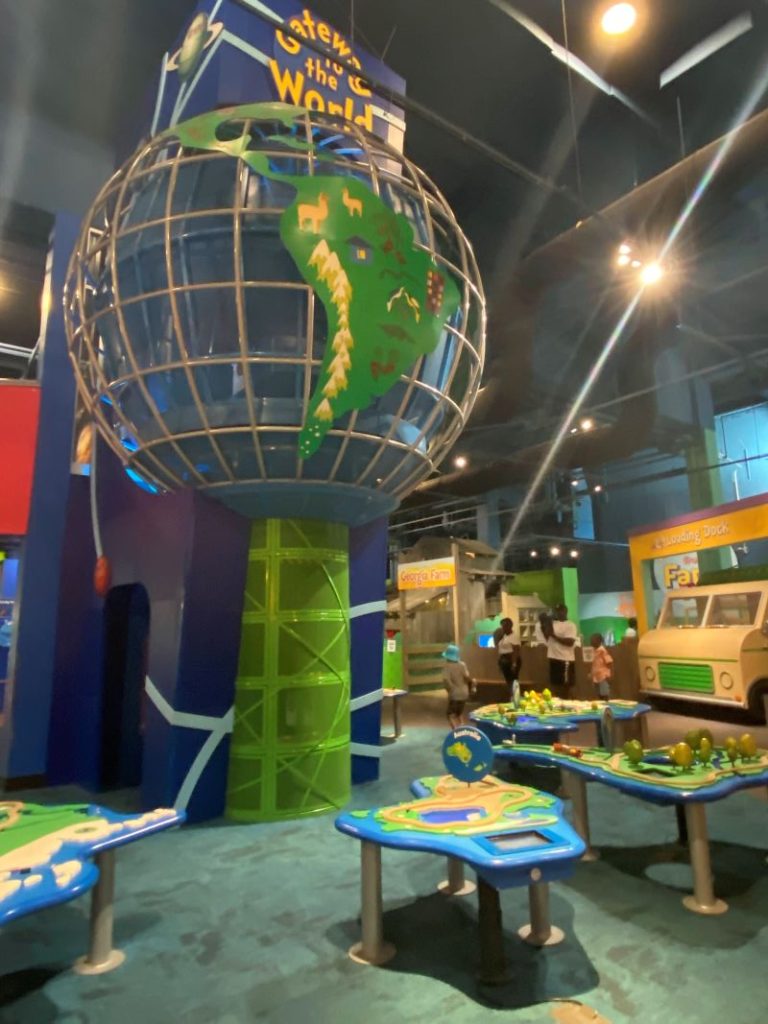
(19, 411)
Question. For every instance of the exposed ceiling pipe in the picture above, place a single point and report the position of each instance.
(657, 202)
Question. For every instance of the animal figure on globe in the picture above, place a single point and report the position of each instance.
(313, 214)
(354, 206)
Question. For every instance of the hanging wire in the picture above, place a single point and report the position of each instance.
(388, 43)
(572, 103)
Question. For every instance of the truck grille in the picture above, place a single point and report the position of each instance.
(681, 676)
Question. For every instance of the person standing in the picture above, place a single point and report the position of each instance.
(458, 683)
(542, 628)
(508, 650)
(602, 667)
(561, 642)
(630, 633)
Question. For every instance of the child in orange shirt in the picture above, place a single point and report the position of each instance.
(602, 667)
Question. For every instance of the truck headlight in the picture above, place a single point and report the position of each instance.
(650, 673)
(726, 680)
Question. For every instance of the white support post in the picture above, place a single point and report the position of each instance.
(703, 899)
(540, 932)
(455, 884)
(101, 957)
(372, 949)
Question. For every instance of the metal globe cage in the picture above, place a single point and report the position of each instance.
(198, 343)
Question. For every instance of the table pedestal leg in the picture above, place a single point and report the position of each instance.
(493, 966)
(455, 884)
(372, 949)
(576, 788)
(644, 742)
(703, 900)
(540, 932)
(682, 825)
(101, 957)
(396, 717)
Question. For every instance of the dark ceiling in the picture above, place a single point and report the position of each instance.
(84, 64)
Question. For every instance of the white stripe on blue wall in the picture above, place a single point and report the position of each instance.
(365, 749)
(367, 609)
(365, 699)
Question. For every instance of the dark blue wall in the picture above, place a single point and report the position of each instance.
(367, 584)
(24, 739)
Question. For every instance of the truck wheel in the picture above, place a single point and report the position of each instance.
(757, 701)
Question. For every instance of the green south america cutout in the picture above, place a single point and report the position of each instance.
(386, 300)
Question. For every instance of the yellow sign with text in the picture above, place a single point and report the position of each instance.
(722, 529)
(305, 79)
(712, 532)
(436, 572)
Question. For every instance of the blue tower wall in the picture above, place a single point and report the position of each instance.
(367, 594)
(24, 735)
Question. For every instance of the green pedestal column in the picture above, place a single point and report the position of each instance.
(290, 753)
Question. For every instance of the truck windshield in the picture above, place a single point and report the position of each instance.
(734, 609)
(682, 612)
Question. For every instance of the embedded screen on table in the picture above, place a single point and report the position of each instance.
(518, 841)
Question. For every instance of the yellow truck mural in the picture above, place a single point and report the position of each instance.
(710, 644)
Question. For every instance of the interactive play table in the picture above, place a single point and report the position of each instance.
(657, 781)
(546, 724)
(52, 854)
(395, 696)
(511, 835)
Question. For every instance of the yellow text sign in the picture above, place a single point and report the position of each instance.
(435, 572)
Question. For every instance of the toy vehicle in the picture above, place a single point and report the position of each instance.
(710, 645)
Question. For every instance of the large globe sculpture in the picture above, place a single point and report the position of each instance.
(278, 309)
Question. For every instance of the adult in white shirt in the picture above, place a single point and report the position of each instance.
(508, 648)
(560, 650)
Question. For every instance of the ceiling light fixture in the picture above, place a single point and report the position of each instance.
(624, 249)
(651, 273)
(461, 462)
(618, 19)
(574, 553)
(587, 424)
(554, 551)
(574, 483)
(622, 260)
(534, 554)
(598, 488)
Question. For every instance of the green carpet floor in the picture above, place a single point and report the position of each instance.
(230, 923)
